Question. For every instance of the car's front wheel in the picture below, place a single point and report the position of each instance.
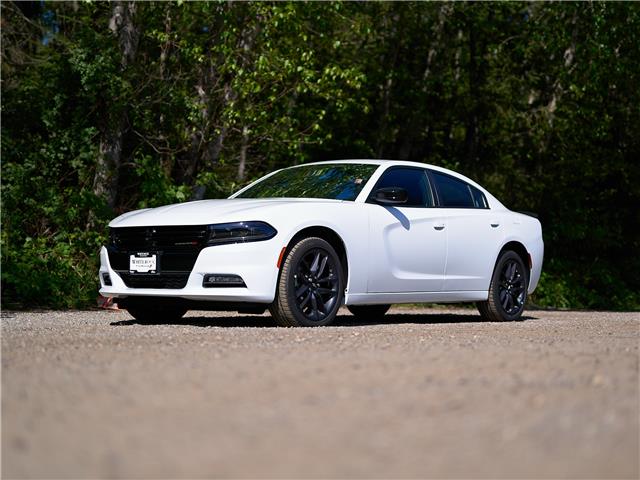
(508, 289)
(310, 286)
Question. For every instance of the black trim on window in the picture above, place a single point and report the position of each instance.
(438, 196)
(430, 186)
(482, 197)
(436, 193)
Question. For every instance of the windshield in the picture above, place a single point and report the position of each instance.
(342, 181)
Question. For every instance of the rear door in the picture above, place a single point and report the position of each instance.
(408, 243)
(474, 234)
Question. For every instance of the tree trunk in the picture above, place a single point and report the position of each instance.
(121, 24)
(164, 49)
(446, 9)
(475, 79)
(558, 89)
(387, 87)
(458, 55)
(105, 182)
(244, 145)
(411, 134)
(213, 149)
(246, 45)
(568, 57)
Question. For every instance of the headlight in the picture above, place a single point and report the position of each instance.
(240, 232)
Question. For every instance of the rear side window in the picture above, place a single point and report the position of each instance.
(454, 193)
(479, 200)
(413, 180)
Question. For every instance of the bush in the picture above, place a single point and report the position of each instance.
(56, 272)
(565, 284)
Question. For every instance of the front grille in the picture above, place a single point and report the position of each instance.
(161, 280)
(177, 249)
(174, 239)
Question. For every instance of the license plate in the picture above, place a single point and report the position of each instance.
(143, 263)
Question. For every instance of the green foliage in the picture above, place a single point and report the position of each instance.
(58, 272)
(168, 102)
(567, 285)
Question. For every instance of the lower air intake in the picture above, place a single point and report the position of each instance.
(163, 280)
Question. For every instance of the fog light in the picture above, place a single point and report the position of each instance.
(220, 280)
(106, 279)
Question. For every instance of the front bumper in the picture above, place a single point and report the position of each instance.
(255, 262)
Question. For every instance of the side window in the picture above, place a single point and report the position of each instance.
(413, 180)
(453, 193)
(479, 200)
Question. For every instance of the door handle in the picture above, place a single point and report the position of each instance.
(439, 226)
(495, 224)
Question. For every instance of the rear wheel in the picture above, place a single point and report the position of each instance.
(152, 315)
(310, 287)
(508, 290)
(368, 312)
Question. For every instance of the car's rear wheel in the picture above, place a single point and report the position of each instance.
(152, 315)
(310, 286)
(369, 312)
(508, 289)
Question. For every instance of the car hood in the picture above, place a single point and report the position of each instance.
(209, 211)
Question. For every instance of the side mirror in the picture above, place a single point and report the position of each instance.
(391, 196)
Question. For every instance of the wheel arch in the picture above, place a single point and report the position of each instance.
(329, 235)
(520, 250)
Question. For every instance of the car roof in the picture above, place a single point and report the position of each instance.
(372, 161)
(388, 163)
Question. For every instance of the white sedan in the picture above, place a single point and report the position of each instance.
(305, 240)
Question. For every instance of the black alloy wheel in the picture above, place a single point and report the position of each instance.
(316, 284)
(310, 287)
(508, 289)
(511, 292)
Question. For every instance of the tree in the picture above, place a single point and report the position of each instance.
(107, 107)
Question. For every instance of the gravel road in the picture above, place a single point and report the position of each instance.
(427, 393)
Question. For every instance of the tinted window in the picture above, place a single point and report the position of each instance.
(413, 180)
(453, 192)
(337, 181)
(479, 200)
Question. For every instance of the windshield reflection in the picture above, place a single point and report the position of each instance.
(334, 181)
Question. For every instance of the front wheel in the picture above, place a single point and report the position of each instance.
(310, 286)
(508, 290)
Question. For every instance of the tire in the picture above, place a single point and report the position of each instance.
(151, 315)
(508, 290)
(310, 286)
(368, 312)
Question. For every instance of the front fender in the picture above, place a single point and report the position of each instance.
(351, 224)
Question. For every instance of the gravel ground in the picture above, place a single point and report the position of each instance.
(427, 393)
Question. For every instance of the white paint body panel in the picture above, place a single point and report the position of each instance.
(408, 254)
(394, 255)
(471, 240)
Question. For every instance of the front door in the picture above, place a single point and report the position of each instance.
(408, 243)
